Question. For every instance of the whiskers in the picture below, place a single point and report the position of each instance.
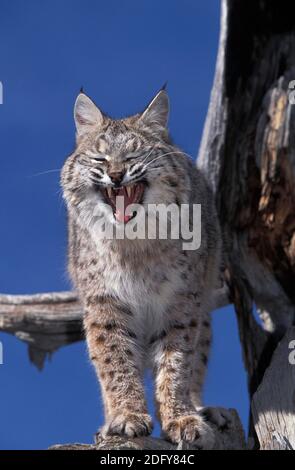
(147, 156)
(45, 172)
(143, 167)
(163, 155)
(155, 168)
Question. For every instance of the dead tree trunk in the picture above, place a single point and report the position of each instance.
(248, 154)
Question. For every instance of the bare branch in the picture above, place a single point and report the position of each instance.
(45, 321)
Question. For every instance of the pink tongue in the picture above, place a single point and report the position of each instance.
(119, 214)
(122, 217)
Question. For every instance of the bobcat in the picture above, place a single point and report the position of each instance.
(146, 301)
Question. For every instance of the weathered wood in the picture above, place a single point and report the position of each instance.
(256, 162)
(248, 155)
(273, 404)
(120, 443)
(229, 438)
(247, 152)
(44, 321)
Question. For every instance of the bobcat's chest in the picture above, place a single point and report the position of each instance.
(148, 290)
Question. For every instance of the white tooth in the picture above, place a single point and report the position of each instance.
(128, 189)
(109, 191)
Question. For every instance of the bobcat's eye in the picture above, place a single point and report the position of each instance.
(96, 156)
(99, 159)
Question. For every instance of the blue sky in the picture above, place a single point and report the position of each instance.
(121, 53)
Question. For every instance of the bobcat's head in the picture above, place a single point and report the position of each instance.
(132, 158)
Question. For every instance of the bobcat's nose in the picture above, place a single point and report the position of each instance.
(116, 177)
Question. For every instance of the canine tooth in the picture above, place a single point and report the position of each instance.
(128, 189)
(109, 191)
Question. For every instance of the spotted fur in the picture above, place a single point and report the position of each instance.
(146, 301)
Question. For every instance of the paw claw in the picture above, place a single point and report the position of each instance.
(190, 429)
(128, 424)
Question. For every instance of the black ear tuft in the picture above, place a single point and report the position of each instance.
(156, 113)
(165, 85)
(81, 89)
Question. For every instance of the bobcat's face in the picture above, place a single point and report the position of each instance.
(120, 163)
(117, 166)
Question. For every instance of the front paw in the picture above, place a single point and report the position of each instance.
(192, 429)
(128, 424)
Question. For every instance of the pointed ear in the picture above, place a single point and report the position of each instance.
(157, 111)
(86, 114)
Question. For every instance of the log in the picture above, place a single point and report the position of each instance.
(44, 321)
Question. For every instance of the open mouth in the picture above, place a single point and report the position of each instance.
(120, 198)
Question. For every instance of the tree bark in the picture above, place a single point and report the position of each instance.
(248, 154)
(273, 401)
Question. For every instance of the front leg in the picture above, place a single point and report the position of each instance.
(115, 352)
(174, 354)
